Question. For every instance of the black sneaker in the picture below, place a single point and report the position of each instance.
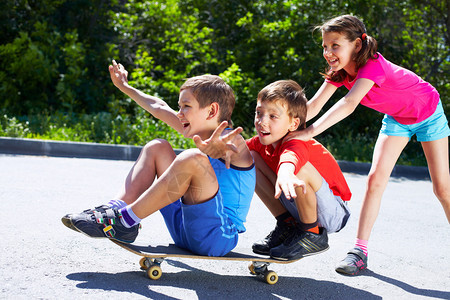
(67, 218)
(275, 238)
(355, 261)
(102, 222)
(301, 244)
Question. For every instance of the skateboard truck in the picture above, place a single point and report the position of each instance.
(261, 270)
(152, 267)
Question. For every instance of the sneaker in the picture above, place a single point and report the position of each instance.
(355, 261)
(301, 244)
(66, 220)
(101, 222)
(275, 238)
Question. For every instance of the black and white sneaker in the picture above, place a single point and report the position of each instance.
(101, 222)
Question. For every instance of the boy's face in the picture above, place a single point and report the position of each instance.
(272, 122)
(191, 115)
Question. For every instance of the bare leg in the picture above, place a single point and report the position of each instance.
(385, 155)
(436, 153)
(155, 158)
(307, 203)
(190, 175)
(265, 186)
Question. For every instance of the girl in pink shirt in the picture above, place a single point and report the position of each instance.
(410, 104)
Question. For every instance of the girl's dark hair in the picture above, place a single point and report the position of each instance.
(353, 28)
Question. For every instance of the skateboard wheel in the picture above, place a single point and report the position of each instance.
(154, 272)
(271, 277)
(143, 263)
(251, 268)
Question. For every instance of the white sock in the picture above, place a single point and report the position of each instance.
(117, 204)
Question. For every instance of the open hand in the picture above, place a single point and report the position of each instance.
(287, 183)
(219, 145)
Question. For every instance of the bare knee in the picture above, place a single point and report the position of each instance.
(192, 160)
(309, 174)
(442, 191)
(156, 146)
(376, 181)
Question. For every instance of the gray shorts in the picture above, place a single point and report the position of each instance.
(332, 212)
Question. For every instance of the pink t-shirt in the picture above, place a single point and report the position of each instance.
(397, 91)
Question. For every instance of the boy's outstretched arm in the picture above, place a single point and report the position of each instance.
(157, 107)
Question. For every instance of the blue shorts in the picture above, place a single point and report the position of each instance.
(332, 212)
(204, 228)
(433, 128)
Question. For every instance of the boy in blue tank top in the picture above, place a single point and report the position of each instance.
(204, 204)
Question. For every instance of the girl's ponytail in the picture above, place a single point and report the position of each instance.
(368, 50)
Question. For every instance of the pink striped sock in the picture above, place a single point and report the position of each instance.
(362, 244)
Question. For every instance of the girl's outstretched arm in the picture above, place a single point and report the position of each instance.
(339, 111)
(320, 98)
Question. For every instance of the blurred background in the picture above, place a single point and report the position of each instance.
(54, 57)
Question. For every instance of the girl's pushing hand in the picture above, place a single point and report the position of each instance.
(302, 135)
(118, 74)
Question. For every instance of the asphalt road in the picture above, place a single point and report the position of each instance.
(40, 258)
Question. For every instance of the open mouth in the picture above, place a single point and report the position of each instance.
(332, 61)
(185, 125)
(264, 133)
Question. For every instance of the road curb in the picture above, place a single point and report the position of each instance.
(20, 146)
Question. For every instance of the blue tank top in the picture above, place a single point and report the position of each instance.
(237, 186)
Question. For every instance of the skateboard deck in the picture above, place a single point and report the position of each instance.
(153, 256)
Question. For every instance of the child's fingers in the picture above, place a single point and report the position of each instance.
(302, 185)
(198, 141)
(227, 161)
(228, 137)
(292, 192)
(277, 192)
(233, 148)
(218, 131)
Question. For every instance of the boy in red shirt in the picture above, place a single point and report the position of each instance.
(300, 182)
(303, 175)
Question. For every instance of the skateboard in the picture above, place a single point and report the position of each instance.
(153, 256)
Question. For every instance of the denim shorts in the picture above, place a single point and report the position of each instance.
(433, 128)
(332, 212)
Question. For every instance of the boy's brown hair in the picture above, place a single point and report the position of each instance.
(290, 94)
(208, 89)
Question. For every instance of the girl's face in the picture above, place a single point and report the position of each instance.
(338, 51)
(272, 122)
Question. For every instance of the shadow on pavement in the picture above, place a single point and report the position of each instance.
(406, 287)
(210, 285)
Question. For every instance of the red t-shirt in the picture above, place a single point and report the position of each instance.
(298, 153)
